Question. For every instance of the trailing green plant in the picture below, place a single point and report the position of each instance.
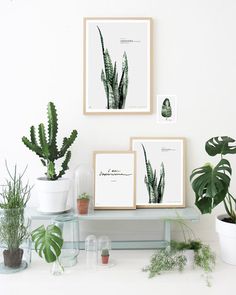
(116, 92)
(166, 110)
(48, 242)
(105, 252)
(173, 256)
(211, 183)
(47, 148)
(84, 196)
(155, 190)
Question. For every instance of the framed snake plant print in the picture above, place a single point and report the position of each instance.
(117, 65)
(160, 179)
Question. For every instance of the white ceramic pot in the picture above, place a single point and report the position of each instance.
(227, 238)
(52, 194)
(189, 254)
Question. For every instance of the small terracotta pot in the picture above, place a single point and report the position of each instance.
(105, 259)
(82, 206)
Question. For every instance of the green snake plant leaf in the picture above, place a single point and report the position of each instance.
(48, 242)
(220, 145)
(211, 184)
(166, 110)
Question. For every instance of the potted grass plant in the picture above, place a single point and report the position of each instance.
(211, 185)
(53, 188)
(14, 225)
(83, 203)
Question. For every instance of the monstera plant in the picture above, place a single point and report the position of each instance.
(211, 185)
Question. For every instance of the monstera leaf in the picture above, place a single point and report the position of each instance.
(48, 242)
(211, 184)
(220, 145)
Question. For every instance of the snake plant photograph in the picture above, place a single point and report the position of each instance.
(159, 172)
(117, 67)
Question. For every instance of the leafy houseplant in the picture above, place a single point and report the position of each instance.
(174, 258)
(181, 255)
(105, 256)
(83, 203)
(155, 190)
(211, 186)
(14, 227)
(54, 189)
(115, 92)
(48, 243)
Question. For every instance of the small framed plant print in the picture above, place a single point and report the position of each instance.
(117, 65)
(114, 181)
(160, 172)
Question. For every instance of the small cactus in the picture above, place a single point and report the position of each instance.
(47, 149)
(105, 252)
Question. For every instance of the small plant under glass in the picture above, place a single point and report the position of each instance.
(83, 203)
(105, 256)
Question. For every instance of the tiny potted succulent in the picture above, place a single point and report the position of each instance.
(83, 203)
(105, 256)
(14, 226)
(52, 189)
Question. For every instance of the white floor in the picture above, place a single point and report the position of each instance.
(126, 277)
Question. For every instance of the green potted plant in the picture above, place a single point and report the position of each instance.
(211, 186)
(105, 256)
(52, 189)
(14, 226)
(83, 203)
(48, 243)
(181, 255)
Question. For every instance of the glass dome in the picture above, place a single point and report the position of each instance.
(84, 189)
(104, 247)
(91, 249)
(69, 225)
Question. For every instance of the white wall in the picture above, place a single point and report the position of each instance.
(41, 59)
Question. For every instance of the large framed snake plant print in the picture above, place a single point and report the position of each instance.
(117, 65)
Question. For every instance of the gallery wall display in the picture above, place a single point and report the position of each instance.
(114, 179)
(159, 172)
(167, 108)
(117, 65)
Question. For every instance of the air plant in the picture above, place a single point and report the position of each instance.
(155, 189)
(166, 110)
(115, 92)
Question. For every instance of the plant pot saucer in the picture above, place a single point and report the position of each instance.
(8, 270)
(67, 210)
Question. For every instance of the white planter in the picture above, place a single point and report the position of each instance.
(227, 238)
(189, 254)
(52, 194)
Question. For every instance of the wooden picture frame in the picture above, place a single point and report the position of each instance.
(160, 172)
(117, 65)
(114, 180)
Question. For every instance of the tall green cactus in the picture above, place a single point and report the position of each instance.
(155, 191)
(47, 149)
(115, 92)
